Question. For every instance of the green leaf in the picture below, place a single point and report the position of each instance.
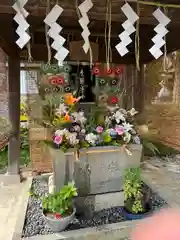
(106, 137)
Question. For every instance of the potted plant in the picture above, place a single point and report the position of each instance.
(58, 209)
(136, 195)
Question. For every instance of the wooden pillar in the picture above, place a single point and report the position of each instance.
(139, 89)
(176, 89)
(14, 115)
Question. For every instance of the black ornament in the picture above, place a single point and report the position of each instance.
(67, 68)
(47, 90)
(67, 89)
(113, 82)
(102, 81)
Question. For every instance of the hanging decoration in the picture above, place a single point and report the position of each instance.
(161, 31)
(54, 33)
(84, 8)
(20, 19)
(82, 82)
(132, 17)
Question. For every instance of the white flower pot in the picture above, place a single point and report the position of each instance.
(58, 225)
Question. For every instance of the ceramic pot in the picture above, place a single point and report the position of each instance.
(58, 225)
(135, 216)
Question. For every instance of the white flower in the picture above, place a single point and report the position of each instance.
(127, 137)
(79, 117)
(123, 111)
(132, 112)
(91, 138)
(72, 138)
(118, 116)
(83, 131)
(127, 127)
(24, 125)
(60, 132)
(61, 109)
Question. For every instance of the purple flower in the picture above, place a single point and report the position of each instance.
(99, 129)
(137, 140)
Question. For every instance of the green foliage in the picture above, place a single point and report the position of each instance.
(149, 146)
(60, 202)
(24, 151)
(106, 137)
(96, 117)
(132, 190)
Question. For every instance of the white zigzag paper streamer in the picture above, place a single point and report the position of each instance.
(54, 33)
(84, 8)
(161, 31)
(132, 17)
(20, 18)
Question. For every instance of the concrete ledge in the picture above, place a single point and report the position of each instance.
(22, 210)
(116, 231)
(7, 179)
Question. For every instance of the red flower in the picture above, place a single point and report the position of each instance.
(58, 216)
(109, 71)
(96, 71)
(119, 70)
(113, 100)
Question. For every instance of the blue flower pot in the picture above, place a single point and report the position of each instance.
(135, 216)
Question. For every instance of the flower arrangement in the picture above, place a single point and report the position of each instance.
(74, 130)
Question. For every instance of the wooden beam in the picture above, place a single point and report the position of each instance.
(14, 115)
(98, 12)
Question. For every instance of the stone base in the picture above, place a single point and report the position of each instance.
(7, 179)
(87, 205)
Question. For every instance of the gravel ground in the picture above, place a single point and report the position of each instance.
(35, 223)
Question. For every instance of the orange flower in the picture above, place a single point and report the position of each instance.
(70, 100)
(67, 117)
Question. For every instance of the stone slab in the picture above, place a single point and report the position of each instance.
(13, 203)
(108, 200)
(162, 182)
(116, 231)
(22, 211)
(99, 169)
(7, 179)
(87, 205)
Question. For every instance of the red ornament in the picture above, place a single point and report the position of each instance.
(96, 71)
(109, 71)
(52, 81)
(119, 70)
(58, 216)
(60, 80)
(113, 100)
(56, 80)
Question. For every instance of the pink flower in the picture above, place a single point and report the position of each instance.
(119, 130)
(58, 139)
(99, 129)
